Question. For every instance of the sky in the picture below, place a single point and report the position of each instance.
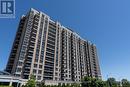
(105, 23)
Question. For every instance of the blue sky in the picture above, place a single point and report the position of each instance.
(104, 22)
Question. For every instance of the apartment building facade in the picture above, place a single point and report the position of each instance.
(50, 51)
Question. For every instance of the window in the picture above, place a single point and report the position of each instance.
(56, 78)
(49, 54)
(35, 65)
(56, 74)
(39, 71)
(20, 63)
(40, 66)
(56, 69)
(50, 38)
(50, 50)
(41, 61)
(18, 69)
(34, 71)
(36, 60)
(39, 78)
(17, 75)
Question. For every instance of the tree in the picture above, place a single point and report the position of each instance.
(101, 83)
(93, 82)
(125, 83)
(31, 82)
(86, 82)
(111, 82)
(41, 84)
(74, 85)
(63, 85)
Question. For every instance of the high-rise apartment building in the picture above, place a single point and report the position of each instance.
(51, 51)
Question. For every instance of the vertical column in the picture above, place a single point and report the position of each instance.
(44, 43)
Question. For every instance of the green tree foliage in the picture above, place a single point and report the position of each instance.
(41, 84)
(86, 82)
(92, 82)
(31, 82)
(111, 82)
(125, 83)
(101, 83)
